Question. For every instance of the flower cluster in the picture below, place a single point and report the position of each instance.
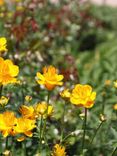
(81, 95)
(11, 125)
(36, 111)
(35, 116)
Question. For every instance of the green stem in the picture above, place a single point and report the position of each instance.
(1, 88)
(46, 114)
(96, 132)
(7, 143)
(113, 154)
(67, 137)
(48, 97)
(40, 134)
(23, 148)
(84, 127)
(103, 107)
(62, 122)
(103, 102)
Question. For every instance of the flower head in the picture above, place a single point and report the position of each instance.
(24, 126)
(3, 41)
(42, 109)
(8, 72)
(65, 94)
(27, 112)
(82, 95)
(7, 123)
(59, 150)
(28, 98)
(107, 83)
(50, 78)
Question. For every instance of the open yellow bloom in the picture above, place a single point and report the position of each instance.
(65, 94)
(3, 41)
(27, 112)
(8, 72)
(7, 123)
(42, 109)
(59, 150)
(82, 95)
(50, 78)
(24, 126)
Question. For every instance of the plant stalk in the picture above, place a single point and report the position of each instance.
(84, 127)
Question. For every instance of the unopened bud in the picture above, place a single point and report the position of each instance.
(102, 118)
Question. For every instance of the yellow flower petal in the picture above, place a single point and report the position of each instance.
(22, 138)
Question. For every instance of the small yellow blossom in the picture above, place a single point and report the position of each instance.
(107, 82)
(65, 94)
(8, 72)
(3, 41)
(7, 123)
(3, 101)
(115, 84)
(42, 109)
(115, 107)
(28, 98)
(50, 78)
(24, 126)
(59, 151)
(27, 112)
(82, 95)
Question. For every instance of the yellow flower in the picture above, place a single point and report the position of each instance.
(82, 95)
(115, 84)
(107, 82)
(59, 150)
(27, 112)
(115, 107)
(28, 98)
(42, 109)
(3, 101)
(8, 72)
(24, 126)
(50, 79)
(6, 153)
(3, 41)
(1, 2)
(7, 123)
(65, 94)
